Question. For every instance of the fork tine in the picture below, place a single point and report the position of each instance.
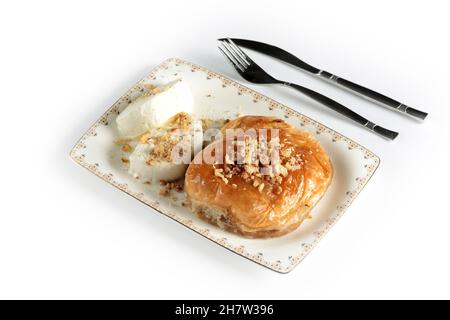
(236, 57)
(240, 52)
(235, 65)
(236, 54)
(225, 50)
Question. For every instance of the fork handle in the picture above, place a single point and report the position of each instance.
(336, 106)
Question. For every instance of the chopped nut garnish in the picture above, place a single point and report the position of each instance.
(164, 142)
(167, 187)
(149, 86)
(283, 171)
(273, 162)
(126, 148)
(251, 169)
(152, 88)
(277, 189)
(286, 152)
(218, 173)
(144, 138)
(164, 192)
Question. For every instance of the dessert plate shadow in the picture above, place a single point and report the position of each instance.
(218, 97)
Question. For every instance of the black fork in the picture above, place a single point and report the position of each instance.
(252, 72)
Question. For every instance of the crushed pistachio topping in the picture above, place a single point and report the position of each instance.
(126, 148)
(168, 186)
(164, 140)
(263, 165)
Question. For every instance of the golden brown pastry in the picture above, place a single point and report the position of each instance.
(254, 198)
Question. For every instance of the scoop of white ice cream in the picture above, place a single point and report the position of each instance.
(160, 170)
(159, 158)
(151, 111)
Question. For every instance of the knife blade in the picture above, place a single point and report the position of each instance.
(288, 57)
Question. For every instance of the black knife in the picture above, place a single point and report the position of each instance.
(285, 56)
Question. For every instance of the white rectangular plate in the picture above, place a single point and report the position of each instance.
(218, 97)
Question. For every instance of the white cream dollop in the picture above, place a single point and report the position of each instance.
(163, 169)
(160, 170)
(151, 111)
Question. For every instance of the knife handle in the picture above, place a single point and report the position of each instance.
(398, 106)
(336, 106)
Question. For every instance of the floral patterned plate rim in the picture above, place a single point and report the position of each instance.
(353, 164)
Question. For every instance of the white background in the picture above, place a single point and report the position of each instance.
(64, 233)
